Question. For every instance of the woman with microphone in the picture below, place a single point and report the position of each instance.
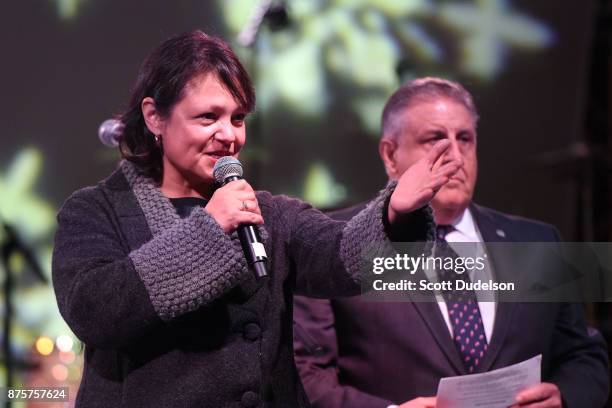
(149, 272)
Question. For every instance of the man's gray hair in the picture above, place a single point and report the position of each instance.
(418, 90)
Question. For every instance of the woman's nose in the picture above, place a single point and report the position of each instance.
(226, 132)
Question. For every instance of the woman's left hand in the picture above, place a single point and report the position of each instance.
(418, 185)
(234, 204)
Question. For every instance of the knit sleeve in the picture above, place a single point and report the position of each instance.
(111, 297)
(189, 265)
(98, 292)
(331, 256)
(368, 235)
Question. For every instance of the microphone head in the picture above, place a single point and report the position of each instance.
(110, 132)
(225, 167)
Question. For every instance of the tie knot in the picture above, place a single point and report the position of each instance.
(442, 231)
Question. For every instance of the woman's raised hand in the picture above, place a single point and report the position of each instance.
(234, 204)
(418, 185)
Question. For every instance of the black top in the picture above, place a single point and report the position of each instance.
(184, 205)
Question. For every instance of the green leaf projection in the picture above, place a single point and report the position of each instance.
(321, 189)
(488, 30)
(364, 43)
(68, 9)
(365, 40)
(33, 218)
(19, 202)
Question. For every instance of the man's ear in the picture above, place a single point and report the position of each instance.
(151, 117)
(386, 149)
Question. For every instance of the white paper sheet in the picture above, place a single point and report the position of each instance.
(494, 389)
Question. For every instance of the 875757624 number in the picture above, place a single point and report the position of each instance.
(35, 394)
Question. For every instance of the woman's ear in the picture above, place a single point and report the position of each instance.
(152, 119)
(386, 150)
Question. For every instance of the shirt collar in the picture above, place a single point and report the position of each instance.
(465, 224)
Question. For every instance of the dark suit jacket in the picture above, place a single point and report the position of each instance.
(352, 353)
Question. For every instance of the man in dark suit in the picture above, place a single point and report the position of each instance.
(354, 353)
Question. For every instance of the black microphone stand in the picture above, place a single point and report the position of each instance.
(11, 245)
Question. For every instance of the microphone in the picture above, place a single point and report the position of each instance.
(226, 170)
(110, 132)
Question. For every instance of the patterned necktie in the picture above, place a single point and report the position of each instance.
(463, 311)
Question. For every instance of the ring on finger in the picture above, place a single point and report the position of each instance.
(245, 206)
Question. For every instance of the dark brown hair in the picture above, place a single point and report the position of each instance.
(163, 77)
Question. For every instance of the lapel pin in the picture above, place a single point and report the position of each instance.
(500, 233)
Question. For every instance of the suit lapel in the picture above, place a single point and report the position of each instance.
(425, 304)
(429, 311)
(493, 232)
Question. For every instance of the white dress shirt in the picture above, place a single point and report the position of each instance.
(467, 231)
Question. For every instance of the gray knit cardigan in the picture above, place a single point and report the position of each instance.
(167, 309)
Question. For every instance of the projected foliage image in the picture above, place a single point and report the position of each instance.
(36, 324)
(370, 47)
